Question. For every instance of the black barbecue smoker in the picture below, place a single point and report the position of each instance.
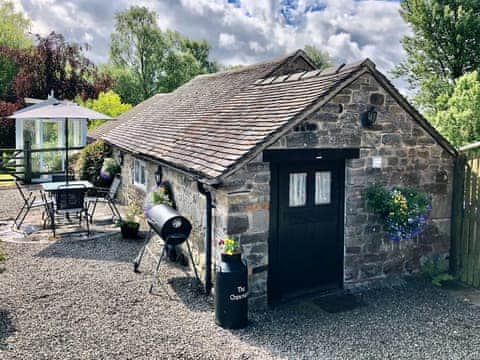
(173, 229)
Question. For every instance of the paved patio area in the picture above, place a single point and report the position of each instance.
(80, 299)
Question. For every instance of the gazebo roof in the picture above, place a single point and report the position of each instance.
(55, 109)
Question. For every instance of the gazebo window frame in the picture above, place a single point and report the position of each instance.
(38, 140)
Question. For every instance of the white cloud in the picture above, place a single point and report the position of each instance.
(245, 32)
(227, 41)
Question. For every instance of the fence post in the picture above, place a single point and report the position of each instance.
(458, 198)
(27, 168)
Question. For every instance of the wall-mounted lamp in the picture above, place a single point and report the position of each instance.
(369, 117)
(158, 176)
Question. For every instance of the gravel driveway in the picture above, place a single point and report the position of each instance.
(81, 300)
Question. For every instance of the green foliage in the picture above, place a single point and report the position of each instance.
(14, 27)
(152, 60)
(442, 47)
(7, 126)
(110, 168)
(133, 215)
(229, 246)
(200, 50)
(90, 162)
(161, 195)
(124, 84)
(403, 211)
(108, 103)
(436, 271)
(320, 59)
(459, 119)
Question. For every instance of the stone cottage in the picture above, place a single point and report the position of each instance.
(277, 155)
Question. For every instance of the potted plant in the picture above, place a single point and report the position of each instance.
(130, 224)
(230, 249)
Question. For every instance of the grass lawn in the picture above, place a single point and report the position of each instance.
(4, 178)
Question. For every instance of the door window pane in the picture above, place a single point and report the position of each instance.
(323, 181)
(298, 189)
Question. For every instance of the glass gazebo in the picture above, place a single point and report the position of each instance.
(52, 124)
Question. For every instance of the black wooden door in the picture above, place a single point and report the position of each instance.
(310, 227)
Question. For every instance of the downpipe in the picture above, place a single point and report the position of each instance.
(208, 238)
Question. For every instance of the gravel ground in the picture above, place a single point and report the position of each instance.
(81, 300)
(10, 202)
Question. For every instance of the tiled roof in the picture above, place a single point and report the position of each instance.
(212, 122)
(101, 130)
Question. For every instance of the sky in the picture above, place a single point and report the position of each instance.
(241, 31)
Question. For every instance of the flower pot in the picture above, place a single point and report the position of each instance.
(231, 258)
(129, 230)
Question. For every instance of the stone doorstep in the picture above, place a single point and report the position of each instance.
(464, 293)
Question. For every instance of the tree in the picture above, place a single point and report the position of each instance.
(201, 52)
(55, 64)
(320, 59)
(14, 28)
(108, 103)
(149, 60)
(444, 46)
(140, 46)
(460, 121)
(124, 83)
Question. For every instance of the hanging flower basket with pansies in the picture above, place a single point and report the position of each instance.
(403, 211)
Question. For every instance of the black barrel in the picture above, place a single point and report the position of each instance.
(231, 292)
(167, 222)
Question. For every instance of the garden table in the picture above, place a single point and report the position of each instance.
(61, 185)
(69, 198)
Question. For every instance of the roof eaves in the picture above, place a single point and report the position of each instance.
(193, 174)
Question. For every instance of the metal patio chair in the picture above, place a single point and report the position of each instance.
(30, 202)
(62, 177)
(69, 200)
(105, 196)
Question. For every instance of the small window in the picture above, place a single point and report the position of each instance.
(139, 173)
(298, 189)
(323, 181)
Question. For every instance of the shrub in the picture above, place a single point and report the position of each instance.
(436, 271)
(90, 162)
(109, 169)
(7, 126)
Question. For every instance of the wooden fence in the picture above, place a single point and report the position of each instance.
(465, 260)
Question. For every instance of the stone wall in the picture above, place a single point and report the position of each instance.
(248, 193)
(189, 201)
(410, 157)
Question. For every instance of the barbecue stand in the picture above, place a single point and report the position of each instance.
(172, 228)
